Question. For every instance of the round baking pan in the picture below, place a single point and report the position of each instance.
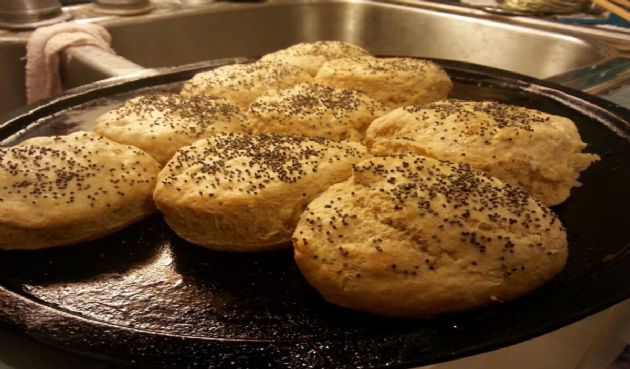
(145, 297)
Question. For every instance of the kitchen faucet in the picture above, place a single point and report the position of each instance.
(123, 7)
(29, 14)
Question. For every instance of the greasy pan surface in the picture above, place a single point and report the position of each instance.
(146, 297)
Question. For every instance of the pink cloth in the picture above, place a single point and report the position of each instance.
(42, 54)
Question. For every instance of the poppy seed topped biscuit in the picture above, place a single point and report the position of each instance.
(161, 124)
(395, 82)
(310, 56)
(241, 84)
(63, 190)
(245, 193)
(412, 236)
(538, 152)
(314, 110)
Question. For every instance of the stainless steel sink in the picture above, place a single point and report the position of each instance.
(177, 34)
(387, 29)
(12, 91)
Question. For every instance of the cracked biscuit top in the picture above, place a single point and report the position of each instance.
(413, 236)
(539, 152)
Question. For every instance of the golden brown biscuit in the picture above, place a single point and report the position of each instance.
(161, 124)
(63, 190)
(310, 56)
(241, 84)
(395, 82)
(538, 152)
(245, 193)
(314, 110)
(411, 236)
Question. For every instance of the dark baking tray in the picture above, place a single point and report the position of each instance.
(145, 297)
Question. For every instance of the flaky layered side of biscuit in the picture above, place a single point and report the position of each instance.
(63, 190)
(410, 236)
(245, 193)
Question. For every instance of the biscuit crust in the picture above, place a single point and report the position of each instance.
(241, 84)
(310, 56)
(395, 82)
(411, 236)
(245, 193)
(314, 110)
(538, 152)
(63, 190)
(161, 124)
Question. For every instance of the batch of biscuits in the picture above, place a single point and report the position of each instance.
(397, 200)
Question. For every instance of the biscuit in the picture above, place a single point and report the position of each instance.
(161, 124)
(538, 152)
(310, 56)
(314, 110)
(241, 84)
(245, 193)
(411, 236)
(395, 82)
(63, 190)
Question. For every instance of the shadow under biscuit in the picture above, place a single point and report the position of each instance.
(267, 292)
(115, 253)
(244, 280)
